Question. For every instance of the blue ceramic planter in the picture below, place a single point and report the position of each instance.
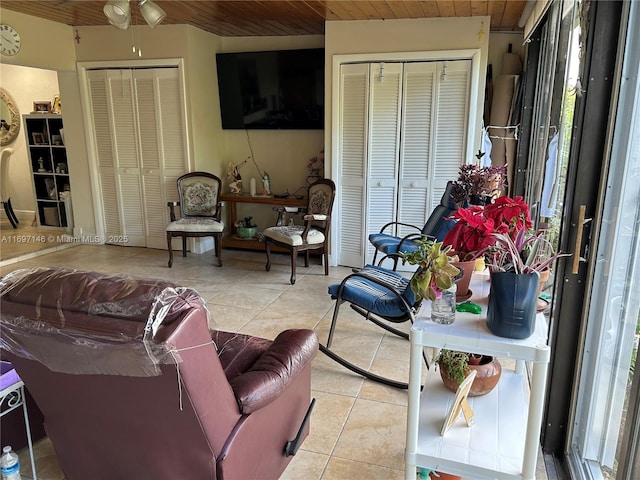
(512, 305)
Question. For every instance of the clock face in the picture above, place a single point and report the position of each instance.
(9, 40)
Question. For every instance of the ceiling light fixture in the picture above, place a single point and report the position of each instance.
(118, 13)
(151, 12)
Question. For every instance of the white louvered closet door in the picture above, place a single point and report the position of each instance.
(354, 92)
(408, 134)
(452, 113)
(140, 153)
(385, 96)
(417, 145)
(161, 146)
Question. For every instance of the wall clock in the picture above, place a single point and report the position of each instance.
(9, 40)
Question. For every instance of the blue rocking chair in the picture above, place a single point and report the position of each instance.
(381, 296)
(436, 227)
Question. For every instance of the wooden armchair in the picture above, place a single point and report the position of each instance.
(200, 212)
(313, 235)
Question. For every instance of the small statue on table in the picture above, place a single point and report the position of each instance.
(235, 180)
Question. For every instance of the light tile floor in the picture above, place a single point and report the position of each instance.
(358, 426)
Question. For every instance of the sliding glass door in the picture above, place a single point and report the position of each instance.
(605, 429)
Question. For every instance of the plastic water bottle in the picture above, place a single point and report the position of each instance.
(10, 464)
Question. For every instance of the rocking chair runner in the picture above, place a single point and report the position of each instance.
(378, 294)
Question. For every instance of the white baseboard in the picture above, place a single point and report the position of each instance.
(23, 215)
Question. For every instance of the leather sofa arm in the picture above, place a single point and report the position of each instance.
(275, 369)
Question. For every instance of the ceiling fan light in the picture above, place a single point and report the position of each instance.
(151, 12)
(118, 13)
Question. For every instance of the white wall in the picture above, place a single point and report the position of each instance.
(25, 85)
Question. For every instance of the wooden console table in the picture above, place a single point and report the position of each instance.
(233, 240)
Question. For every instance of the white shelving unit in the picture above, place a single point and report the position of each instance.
(504, 440)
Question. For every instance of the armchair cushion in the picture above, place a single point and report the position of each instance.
(274, 369)
(370, 295)
(197, 224)
(292, 235)
(389, 244)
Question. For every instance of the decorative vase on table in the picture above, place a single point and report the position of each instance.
(512, 307)
(443, 308)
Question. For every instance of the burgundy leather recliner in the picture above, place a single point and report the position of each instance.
(134, 385)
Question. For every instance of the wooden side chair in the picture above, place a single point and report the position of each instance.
(313, 235)
(200, 212)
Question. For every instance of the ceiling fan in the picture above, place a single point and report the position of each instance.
(118, 13)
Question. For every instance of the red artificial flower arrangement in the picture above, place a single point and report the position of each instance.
(475, 226)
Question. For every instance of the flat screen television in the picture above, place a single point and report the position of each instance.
(281, 89)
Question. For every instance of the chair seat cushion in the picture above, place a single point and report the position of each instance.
(196, 224)
(292, 235)
(389, 244)
(373, 297)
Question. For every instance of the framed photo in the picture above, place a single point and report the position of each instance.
(41, 107)
(460, 404)
(38, 138)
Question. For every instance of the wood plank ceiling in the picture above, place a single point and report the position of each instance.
(229, 18)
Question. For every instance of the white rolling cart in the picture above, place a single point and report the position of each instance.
(503, 442)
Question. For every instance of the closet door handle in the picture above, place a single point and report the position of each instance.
(381, 184)
(413, 185)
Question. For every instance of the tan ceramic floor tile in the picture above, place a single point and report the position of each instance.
(47, 467)
(328, 376)
(374, 433)
(230, 318)
(241, 296)
(343, 469)
(306, 465)
(327, 421)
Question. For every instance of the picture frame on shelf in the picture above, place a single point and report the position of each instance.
(41, 107)
(460, 404)
(38, 138)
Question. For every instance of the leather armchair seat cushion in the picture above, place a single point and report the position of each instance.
(259, 370)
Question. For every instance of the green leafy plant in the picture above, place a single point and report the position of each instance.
(455, 363)
(526, 252)
(481, 182)
(436, 273)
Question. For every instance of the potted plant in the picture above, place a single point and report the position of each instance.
(474, 227)
(246, 229)
(516, 261)
(436, 272)
(454, 367)
(479, 185)
(434, 279)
